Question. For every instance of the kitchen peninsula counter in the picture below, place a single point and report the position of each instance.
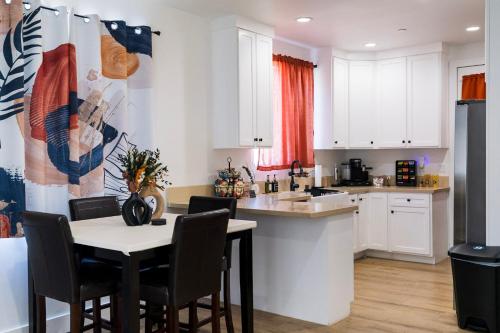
(302, 253)
(390, 189)
(284, 204)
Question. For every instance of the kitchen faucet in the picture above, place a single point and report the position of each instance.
(293, 185)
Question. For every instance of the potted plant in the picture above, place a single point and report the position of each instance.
(144, 174)
(154, 181)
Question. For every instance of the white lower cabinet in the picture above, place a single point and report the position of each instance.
(377, 224)
(355, 224)
(401, 224)
(410, 230)
(363, 221)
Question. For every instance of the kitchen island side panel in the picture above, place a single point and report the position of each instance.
(303, 268)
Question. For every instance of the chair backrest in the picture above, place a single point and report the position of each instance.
(196, 258)
(199, 204)
(93, 208)
(51, 256)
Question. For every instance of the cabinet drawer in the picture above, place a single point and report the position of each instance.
(409, 200)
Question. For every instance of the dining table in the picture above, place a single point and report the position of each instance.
(111, 239)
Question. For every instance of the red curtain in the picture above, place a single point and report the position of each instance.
(293, 115)
(474, 87)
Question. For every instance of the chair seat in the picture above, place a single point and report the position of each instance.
(97, 280)
(153, 288)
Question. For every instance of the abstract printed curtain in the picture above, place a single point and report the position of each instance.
(74, 92)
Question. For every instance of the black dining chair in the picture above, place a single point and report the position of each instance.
(195, 268)
(93, 208)
(99, 207)
(58, 274)
(199, 204)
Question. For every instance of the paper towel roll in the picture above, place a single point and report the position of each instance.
(318, 175)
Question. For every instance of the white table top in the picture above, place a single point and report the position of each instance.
(112, 233)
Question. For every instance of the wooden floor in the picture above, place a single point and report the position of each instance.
(390, 296)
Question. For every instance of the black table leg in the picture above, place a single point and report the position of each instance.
(31, 303)
(130, 290)
(246, 282)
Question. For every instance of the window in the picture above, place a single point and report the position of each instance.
(293, 115)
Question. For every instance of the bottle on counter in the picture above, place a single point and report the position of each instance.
(268, 185)
(275, 184)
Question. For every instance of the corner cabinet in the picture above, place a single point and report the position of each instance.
(362, 111)
(393, 102)
(242, 64)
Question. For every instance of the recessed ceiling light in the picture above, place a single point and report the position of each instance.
(370, 45)
(304, 19)
(473, 28)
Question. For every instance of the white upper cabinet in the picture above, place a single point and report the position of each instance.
(340, 103)
(425, 100)
(397, 100)
(264, 88)
(362, 106)
(247, 96)
(242, 68)
(391, 103)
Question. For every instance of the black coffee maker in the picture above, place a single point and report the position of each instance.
(358, 174)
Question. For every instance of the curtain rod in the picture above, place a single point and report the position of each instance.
(157, 32)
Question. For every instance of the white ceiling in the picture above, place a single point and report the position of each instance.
(349, 24)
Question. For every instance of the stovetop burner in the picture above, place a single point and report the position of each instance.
(353, 183)
(321, 191)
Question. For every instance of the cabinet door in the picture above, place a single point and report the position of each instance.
(424, 100)
(391, 103)
(353, 199)
(362, 107)
(264, 90)
(377, 225)
(340, 102)
(363, 220)
(409, 230)
(247, 87)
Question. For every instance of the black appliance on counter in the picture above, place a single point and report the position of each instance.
(406, 173)
(355, 174)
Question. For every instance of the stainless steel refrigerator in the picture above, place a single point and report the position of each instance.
(470, 173)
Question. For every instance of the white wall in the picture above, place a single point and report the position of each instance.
(492, 124)
(383, 161)
(181, 123)
(180, 106)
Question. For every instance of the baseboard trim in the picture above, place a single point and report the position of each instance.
(397, 256)
(56, 324)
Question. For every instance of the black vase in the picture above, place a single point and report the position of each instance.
(136, 211)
